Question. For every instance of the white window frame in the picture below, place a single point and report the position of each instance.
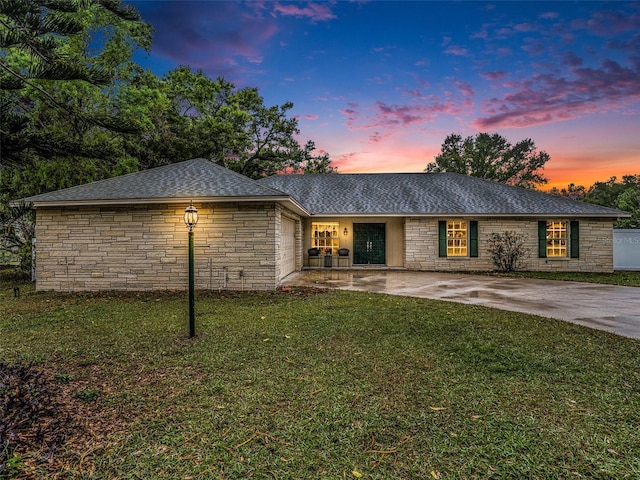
(325, 236)
(457, 238)
(557, 238)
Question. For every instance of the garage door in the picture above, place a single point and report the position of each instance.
(288, 247)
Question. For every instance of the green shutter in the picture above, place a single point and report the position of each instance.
(542, 239)
(575, 239)
(442, 238)
(473, 238)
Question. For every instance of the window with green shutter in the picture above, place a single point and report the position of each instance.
(554, 237)
(442, 238)
(574, 237)
(473, 238)
(457, 238)
(542, 239)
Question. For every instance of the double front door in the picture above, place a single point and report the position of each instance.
(369, 244)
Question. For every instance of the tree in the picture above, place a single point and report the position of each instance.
(18, 225)
(52, 47)
(186, 115)
(573, 191)
(623, 195)
(492, 157)
(61, 61)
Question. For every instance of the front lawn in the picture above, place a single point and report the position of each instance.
(308, 384)
(626, 278)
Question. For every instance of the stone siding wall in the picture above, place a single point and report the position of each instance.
(421, 247)
(146, 247)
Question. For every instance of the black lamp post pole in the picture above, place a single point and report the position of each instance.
(192, 295)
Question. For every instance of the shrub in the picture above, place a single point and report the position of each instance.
(508, 251)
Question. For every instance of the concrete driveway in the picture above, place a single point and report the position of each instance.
(605, 307)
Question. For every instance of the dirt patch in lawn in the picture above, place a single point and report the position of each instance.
(51, 424)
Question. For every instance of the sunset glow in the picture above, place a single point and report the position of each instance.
(379, 85)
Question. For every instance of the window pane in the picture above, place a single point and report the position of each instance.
(324, 236)
(456, 238)
(556, 238)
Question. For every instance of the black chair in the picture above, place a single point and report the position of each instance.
(343, 254)
(314, 254)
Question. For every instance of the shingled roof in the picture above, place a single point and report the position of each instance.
(430, 194)
(433, 194)
(177, 182)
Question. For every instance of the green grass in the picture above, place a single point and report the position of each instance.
(627, 278)
(287, 385)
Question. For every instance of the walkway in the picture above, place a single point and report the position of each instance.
(606, 307)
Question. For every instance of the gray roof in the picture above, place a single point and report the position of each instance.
(198, 178)
(432, 194)
(424, 194)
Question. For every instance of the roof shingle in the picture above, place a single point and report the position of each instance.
(329, 194)
(198, 178)
(423, 194)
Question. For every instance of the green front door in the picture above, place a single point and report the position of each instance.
(369, 244)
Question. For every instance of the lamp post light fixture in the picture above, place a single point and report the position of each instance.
(190, 220)
(345, 232)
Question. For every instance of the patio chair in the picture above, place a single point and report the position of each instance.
(314, 254)
(343, 254)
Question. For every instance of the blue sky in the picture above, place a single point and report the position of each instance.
(379, 84)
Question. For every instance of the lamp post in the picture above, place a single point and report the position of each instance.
(190, 220)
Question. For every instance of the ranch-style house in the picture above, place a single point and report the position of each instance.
(128, 233)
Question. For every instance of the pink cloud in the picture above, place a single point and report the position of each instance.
(397, 117)
(351, 113)
(525, 27)
(534, 48)
(377, 137)
(547, 97)
(632, 45)
(549, 15)
(496, 75)
(311, 117)
(465, 88)
(221, 38)
(608, 22)
(571, 59)
(314, 11)
(416, 95)
(457, 51)
(401, 115)
(482, 34)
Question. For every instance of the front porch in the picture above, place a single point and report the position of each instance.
(354, 242)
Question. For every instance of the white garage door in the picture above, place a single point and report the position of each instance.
(288, 247)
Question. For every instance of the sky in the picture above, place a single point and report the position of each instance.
(379, 85)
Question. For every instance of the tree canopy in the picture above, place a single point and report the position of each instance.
(60, 61)
(186, 115)
(492, 157)
(75, 107)
(623, 195)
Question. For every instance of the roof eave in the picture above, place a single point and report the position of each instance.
(475, 215)
(291, 203)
